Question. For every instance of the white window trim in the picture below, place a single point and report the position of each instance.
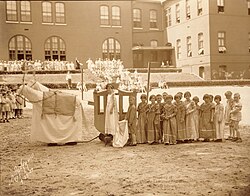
(105, 26)
(154, 29)
(138, 28)
(60, 24)
(47, 23)
(12, 22)
(26, 22)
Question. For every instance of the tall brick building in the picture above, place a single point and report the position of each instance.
(207, 37)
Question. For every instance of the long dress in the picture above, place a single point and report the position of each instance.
(180, 120)
(150, 123)
(131, 118)
(190, 122)
(169, 124)
(206, 125)
(219, 121)
(197, 119)
(142, 123)
(111, 118)
(157, 122)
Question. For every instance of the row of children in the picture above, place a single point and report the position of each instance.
(172, 122)
(11, 104)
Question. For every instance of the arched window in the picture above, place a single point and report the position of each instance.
(136, 18)
(25, 11)
(111, 49)
(20, 48)
(47, 11)
(60, 13)
(116, 16)
(104, 15)
(55, 49)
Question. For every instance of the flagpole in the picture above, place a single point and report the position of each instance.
(148, 86)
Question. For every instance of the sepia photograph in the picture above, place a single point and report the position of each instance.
(126, 97)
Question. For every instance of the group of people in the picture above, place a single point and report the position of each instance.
(170, 119)
(22, 65)
(112, 71)
(11, 104)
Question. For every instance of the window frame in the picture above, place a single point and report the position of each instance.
(61, 48)
(188, 10)
(221, 36)
(178, 48)
(25, 11)
(63, 14)
(139, 19)
(200, 43)
(116, 48)
(113, 17)
(189, 46)
(16, 11)
(177, 13)
(221, 6)
(17, 50)
(199, 8)
(104, 16)
(153, 18)
(43, 12)
(168, 17)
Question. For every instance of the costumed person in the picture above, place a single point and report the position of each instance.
(157, 120)
(190, 122)
(169, 122)
(6, 104)
(228, 108)
(206, 119)
(131, 118)
(197, 115)
(142, 120)
(111, 114)
(219, 119)
(235, 117)
(150, 120)
(116, 132)
(52, 123)
(180, 118)
(69, 80)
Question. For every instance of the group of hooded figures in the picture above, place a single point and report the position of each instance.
(171, 122)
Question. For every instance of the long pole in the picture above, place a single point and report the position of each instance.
(148, 86)
(81, 66)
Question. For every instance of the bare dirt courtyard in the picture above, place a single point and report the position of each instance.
(93, 169)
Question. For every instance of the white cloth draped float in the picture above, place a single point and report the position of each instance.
(121, 136)
(51, 128)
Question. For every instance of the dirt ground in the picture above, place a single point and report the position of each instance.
(93, 169)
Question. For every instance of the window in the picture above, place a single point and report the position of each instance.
(221, 42)
(220, 4)
(11, 9)
(25, 11)
(111, 49)
(248, 6)
(55, 49)
(222, 71)
(188, 15)
(178, 48)
(200, 44)
(20, 48)
(249, 42)
(202, 72)
(153, 18)
(116, 16)
(153, 43)
(168, 17)
(199, 7)
(189, 45)
(137, 18)
(60, 13)
(104, 15)
(47, 12)
(177, 13)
